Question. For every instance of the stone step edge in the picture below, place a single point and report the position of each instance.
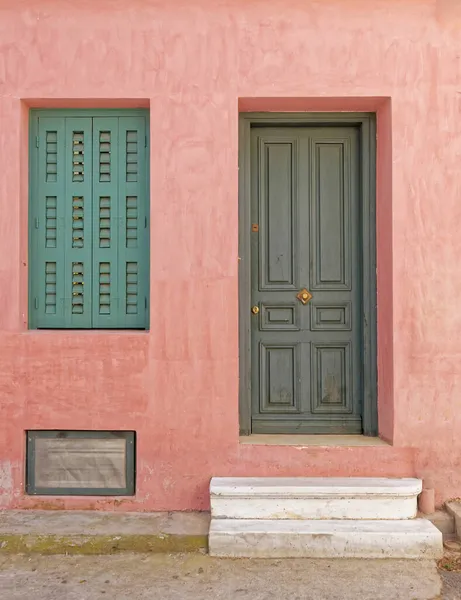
(408, 526)
(412, 539)
(303, 487)
(312, 496)
(337, 508)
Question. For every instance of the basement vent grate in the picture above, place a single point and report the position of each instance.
(81, 463)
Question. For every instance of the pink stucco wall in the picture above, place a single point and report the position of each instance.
(177, 385)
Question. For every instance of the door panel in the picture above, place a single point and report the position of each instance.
(331, 378)
(280, 373)
(306, 214)
(330, 233)
(277, 216)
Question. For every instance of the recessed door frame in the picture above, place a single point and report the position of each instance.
(366, 122)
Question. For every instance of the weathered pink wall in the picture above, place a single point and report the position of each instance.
(177, 385)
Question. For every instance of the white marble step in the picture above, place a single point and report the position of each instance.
(257, 538)
(313, 498)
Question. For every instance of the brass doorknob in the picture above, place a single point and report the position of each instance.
(304, 296)
(255, 310)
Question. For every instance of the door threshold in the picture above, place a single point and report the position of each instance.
(262, 439)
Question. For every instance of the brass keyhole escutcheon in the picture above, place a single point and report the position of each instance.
(255, 310)
(304, 296)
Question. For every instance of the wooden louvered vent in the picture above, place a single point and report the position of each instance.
(51, 156)
(104, 222)
(89, 253)
(104, 288)
(104, 156)
(131, 288)
(50, 288)
(77, 222)
(132, 156)
(132, 222)
(78, 280)
(50, 221)
(78, 141)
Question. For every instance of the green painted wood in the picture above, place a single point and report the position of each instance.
(106, 219)
(305, 366)
(47, 224)
(133, 249)
(366, 123)
(369, 271)
(89, 218)
(78, 245)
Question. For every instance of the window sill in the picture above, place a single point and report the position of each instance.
(86, 331)
(330, 441)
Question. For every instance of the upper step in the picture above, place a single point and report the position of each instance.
(314, 497)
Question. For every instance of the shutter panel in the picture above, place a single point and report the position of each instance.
(61, 218)
(106, 294)
(133, 207)
(47, 239)
(78, 239)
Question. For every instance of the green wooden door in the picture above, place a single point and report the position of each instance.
(306, 281)
(89, 242)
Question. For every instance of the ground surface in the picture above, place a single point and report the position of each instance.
(199, 577)
(451, 586)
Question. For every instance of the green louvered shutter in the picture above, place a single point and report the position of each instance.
(133, 206)
(78, 242)
(106, 299)
(46, 220)
(60, 220)
(120, 220)
(89, 245)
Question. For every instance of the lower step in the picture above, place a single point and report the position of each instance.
(261, 538)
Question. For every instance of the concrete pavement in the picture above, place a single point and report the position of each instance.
(199, 577)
